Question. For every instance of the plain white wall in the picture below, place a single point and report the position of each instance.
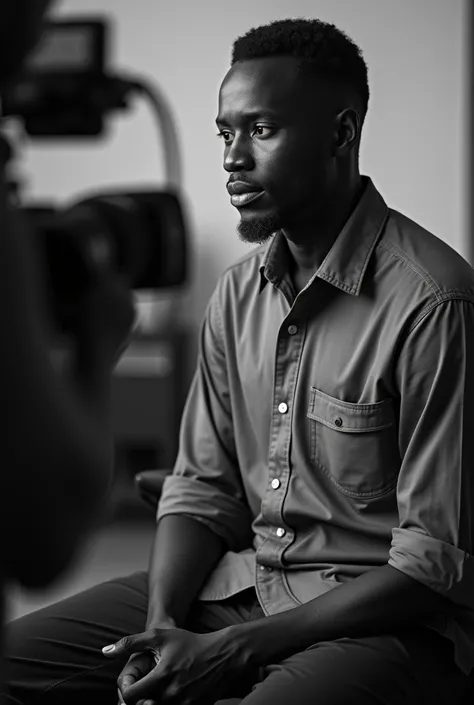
(414, 142)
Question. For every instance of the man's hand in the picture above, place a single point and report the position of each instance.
(175, 665)
(139, 664)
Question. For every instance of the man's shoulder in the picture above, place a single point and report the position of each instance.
(244, 273)
(251, 261)
(426, 259)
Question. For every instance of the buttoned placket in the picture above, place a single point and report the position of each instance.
(270, 583)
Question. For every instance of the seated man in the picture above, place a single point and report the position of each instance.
(315, 541)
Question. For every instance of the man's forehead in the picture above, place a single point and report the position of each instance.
(266, 70)
(267, 82)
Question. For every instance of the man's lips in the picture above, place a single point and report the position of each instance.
(242, 193)
(242, 187)
(242, 199)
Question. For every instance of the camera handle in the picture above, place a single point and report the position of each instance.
(126, 87)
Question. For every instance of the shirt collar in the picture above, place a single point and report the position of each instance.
(346, 262)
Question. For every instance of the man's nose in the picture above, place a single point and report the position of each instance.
(238, 156)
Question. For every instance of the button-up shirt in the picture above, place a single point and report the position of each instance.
(331, 431)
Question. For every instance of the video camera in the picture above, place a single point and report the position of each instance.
(62, 92)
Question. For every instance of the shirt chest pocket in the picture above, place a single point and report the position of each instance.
(355, 445)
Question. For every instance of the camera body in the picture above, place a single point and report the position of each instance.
(64, 91)
(140, 235)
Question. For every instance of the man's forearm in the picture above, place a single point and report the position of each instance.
(184, 553)
(379, 601)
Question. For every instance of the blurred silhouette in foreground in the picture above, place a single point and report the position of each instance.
(56, 441)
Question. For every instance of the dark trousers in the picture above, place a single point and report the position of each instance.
(54, 655)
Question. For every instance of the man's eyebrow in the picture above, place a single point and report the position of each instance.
(252, 115)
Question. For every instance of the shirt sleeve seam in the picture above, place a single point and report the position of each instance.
(219, 317)
(452, 295)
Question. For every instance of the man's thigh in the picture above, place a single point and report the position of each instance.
(412, 668)
(54, 655)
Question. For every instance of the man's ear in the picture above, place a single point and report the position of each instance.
(21, 24)
(347, 131)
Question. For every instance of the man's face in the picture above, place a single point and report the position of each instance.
(277, 129)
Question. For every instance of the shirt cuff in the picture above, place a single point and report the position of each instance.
(228, 517)
(440, 566)
(203, 520)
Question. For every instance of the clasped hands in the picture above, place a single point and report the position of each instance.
(171, 665)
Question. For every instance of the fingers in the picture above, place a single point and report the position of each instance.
(134, 642)
(127, 681)
(140, 702)
(138, 665)
(151, 684)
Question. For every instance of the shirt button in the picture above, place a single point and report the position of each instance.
(275, 483)
(281, 532)
(338, 422)
(283, 408)
(292, 330)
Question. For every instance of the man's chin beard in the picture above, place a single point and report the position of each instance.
(258, 230)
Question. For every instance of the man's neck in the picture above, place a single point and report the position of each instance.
(309, 249)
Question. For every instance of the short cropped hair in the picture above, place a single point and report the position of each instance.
(324, 51)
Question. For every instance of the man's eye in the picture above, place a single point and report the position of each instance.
(260, 131)
(263, 130)
(223, 134)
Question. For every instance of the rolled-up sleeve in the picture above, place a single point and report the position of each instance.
(435, 375)
(206, 482)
